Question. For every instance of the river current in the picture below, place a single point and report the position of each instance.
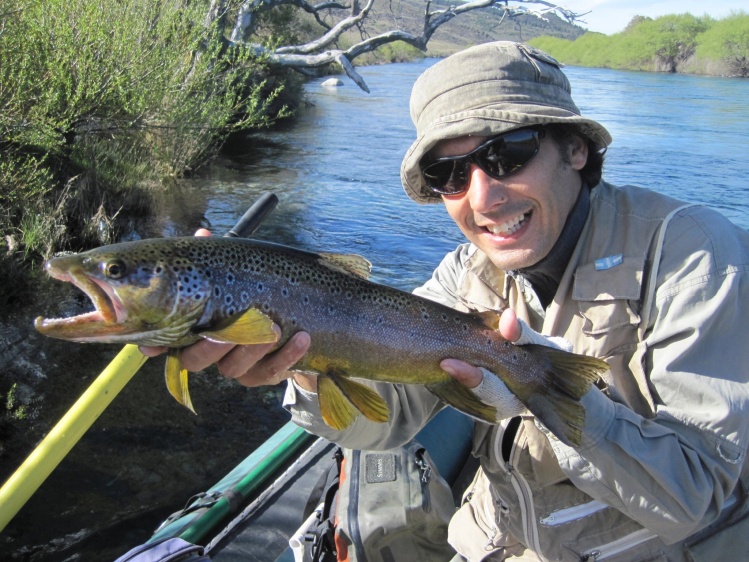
(336, 171)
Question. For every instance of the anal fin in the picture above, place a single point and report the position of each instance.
(461, 398)
(176, 379)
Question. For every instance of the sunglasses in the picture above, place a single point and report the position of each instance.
(499, 157)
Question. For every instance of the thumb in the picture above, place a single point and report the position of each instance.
(466, 374)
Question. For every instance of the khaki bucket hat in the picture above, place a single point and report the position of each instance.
(487, 90)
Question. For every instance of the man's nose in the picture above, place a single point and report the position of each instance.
(484, 192)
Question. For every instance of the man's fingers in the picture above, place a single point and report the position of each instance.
(462, 372)
(270, 369)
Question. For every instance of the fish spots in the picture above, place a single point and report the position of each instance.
(284, 292)
(305, 299)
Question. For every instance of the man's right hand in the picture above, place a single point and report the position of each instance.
(249, 365)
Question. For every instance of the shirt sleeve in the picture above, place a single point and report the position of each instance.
(676, 472)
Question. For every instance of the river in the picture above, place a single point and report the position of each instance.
(336, 173)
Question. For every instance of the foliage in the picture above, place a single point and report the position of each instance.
(669, 43)
(728, 40)
(98, 98)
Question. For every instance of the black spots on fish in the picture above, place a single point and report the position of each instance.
(244, 297)
(230, 278)
(379, 321)
(284, 292)
(444, 317)
(266, 306)
(349, 295)
(507, 344)
(228, 299)
(231, 311)
(464, 327)
(305, 299)
(217, 291)
(424, 313)
(260, 287)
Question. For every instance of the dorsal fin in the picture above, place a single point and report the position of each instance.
(352, 264)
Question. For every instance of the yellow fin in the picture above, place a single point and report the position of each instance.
(335, 408)
(364, 399)
(347, 263)
(176, 379)
(249, 327)
(490, 319)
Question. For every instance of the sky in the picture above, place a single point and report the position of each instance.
(612, 16)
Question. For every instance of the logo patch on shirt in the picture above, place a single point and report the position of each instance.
(609, 262)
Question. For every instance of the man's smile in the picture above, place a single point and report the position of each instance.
(509, 226)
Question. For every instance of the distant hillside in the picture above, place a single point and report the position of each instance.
(473, 28)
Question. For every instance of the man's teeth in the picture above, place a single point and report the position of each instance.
(508, 227)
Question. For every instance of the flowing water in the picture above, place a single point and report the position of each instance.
(336, 173)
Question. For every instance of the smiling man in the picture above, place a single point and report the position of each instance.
(656, 287)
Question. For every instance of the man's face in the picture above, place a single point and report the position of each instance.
(516, 220)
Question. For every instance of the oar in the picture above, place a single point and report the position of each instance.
(76, 421)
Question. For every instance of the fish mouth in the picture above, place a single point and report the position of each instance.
(108, 314)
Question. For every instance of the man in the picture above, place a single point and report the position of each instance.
(657, 288)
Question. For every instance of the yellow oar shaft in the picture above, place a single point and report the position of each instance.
(61, 439)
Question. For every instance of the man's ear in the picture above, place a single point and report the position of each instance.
(578, 152)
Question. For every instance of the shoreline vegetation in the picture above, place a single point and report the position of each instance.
(103, 104)
(680, 43)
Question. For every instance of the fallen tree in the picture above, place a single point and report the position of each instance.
(337, 18)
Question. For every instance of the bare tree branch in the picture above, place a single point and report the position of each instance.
(318, 52)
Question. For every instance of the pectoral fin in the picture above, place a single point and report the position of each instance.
(249, 327)
(337, 411)
(176, 379)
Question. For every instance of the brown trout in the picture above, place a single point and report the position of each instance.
(174, 291)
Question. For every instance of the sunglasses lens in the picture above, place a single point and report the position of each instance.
(509, 153)
(447, 177)
(498, 157)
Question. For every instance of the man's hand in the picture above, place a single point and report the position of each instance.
(250, 365)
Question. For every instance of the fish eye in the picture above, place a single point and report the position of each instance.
(114, 269)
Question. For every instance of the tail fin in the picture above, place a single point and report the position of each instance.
(558, 405)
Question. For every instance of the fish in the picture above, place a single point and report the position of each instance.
(175, 291)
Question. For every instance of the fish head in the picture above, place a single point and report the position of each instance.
(143, 292)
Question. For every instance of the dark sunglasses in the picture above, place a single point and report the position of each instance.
(499, 157)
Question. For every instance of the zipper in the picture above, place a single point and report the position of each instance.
(618, 546)
(524, 494)
(573, 513)
(425, 473)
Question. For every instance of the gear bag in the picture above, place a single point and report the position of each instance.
(382, 506)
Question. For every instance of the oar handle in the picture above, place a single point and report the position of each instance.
(255, 215)
(60, 440)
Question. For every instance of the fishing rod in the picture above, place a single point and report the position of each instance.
(78, 419)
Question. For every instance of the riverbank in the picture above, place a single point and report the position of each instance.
(676, 44)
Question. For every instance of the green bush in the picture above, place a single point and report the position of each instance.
(728, 40)
(99, 99)
(669, 43)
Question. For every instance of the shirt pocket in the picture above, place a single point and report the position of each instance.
(608, 296)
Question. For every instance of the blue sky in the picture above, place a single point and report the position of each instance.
(612, 16)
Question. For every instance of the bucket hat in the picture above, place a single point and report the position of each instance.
(487, 90)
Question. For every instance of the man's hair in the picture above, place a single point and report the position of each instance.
(562, 136)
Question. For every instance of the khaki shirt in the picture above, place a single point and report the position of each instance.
(662, 466)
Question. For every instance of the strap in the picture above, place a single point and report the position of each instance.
(637, 363)
(648, 301)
